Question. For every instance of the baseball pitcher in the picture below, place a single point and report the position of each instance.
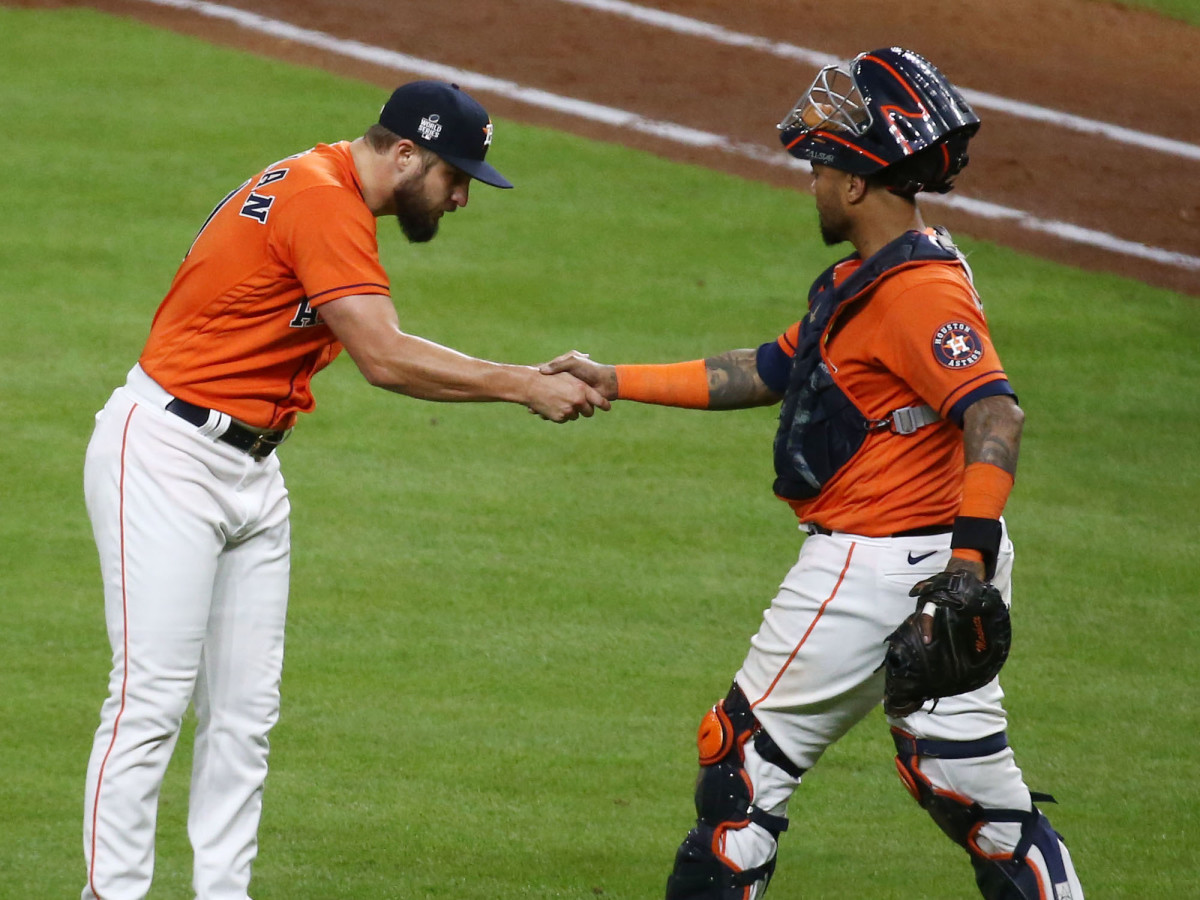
(182, 478)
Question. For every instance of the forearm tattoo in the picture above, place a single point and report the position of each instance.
(734, 383)
(992, 433)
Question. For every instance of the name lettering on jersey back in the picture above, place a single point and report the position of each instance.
(258, 206)
(272, 177)
(306, 316)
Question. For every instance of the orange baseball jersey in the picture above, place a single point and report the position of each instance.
(240, 329)
(919, 337)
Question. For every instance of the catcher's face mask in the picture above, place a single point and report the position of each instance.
(832, 103)
(880, 109)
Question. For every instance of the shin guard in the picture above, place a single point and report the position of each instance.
(730, 854)
(1037, 867)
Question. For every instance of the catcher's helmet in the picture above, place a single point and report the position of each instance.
(880, 112)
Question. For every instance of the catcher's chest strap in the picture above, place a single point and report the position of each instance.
(907, 745)
(906, 420)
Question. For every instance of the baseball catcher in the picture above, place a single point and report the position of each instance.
(955, 641)
(896, 447)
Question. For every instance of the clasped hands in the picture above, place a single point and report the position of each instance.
(570, 386)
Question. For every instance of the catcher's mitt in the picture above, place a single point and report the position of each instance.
(971, 636)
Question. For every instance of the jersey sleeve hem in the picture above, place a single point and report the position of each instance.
(995, 388)
(347, 290)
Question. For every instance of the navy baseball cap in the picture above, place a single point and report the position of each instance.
(445, 119)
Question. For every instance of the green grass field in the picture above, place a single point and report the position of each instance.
(503, 632)
(1183, 10)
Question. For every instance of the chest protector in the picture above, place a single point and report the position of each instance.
(820, 428)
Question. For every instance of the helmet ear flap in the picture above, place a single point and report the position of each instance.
(932, 169)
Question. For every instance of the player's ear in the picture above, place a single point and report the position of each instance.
(855, 188)
(405, 155)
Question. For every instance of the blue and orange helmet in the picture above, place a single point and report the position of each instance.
(889, 113)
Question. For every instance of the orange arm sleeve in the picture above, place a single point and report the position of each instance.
(682, 384)
(985, 492)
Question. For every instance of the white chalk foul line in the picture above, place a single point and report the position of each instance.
(696, 28)
(619, 118)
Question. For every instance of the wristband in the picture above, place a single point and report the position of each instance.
(982, 535)
(682, 384)
(968, 554)
(977, 529)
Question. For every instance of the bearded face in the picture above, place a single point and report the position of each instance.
(420, 199)
(831, 216)
(417, 215)
(831, 233)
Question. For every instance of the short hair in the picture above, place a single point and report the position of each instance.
(380, 138)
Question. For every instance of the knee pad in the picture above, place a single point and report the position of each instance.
(1037, 868)
(730, 854)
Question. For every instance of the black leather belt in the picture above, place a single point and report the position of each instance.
(259, 445)
(924, 531)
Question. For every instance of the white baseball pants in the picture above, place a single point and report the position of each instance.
(193, 538)
(812, 673)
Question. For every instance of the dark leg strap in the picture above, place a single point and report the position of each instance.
(907, 745)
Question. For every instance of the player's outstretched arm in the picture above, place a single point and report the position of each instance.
(727, 381)
(367, 326)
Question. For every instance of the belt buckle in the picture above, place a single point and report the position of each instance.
(263, 446)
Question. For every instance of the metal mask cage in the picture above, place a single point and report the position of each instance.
(833, 103)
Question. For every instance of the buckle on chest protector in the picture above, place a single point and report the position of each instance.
(907, 420)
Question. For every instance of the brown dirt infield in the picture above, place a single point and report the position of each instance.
(1092, 59)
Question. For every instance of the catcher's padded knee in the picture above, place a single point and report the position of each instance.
(702, 873)
(725, 728)
(724, 792)
(725, 805)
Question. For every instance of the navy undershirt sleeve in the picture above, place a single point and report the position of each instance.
(991, 389)
(774, 366)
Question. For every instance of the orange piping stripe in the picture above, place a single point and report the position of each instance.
(125, 651)
(856, 149)
(813, 625)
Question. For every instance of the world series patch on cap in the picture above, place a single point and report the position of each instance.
(447, 120)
